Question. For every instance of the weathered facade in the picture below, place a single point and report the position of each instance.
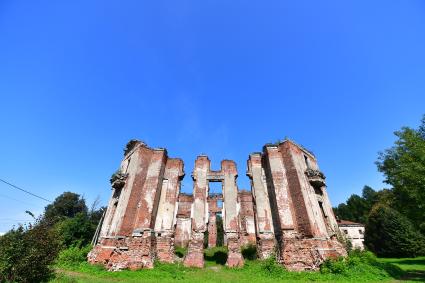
(213, 210)
(293, 212)
(354, 232)
(184, 222)
(139, 222)
(247, 221)
(286, 214)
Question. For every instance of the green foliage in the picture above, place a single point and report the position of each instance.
(95, 214)
(390, 234)
(219, 235)
(249, 252)
(75, 231)
(360, 262)
(216, 254)
(271, 268)
(220, 230)
(180, 251)
(66, 205)
(404, 168)
(338, 266)
(26, 253)
(73, 255)
(206, 237)
(357, 207)
(72, 220)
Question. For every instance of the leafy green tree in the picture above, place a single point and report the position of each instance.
(66, 205)
(404, 168)
(220, 231)
(390, 234)
(76, 231)
(357, 207)
(73, 221)
(26, 253)
(95, 215)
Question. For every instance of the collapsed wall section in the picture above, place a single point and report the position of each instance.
(183, 221)
(247, 221)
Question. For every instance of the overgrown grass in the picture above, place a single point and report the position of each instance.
(358, 267)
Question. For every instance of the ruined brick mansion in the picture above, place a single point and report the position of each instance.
(286, 214)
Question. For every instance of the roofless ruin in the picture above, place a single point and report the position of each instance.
(287, 213)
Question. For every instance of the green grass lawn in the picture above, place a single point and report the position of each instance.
(357, 268)
(414, 267)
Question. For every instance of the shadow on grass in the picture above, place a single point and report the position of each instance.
(400, 274)
(411, 262)
(392, 269)
(414, 275)
(217, 255)
(408, 271)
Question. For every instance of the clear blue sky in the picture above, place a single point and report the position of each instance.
(78, 79)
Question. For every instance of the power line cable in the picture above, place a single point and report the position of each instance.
(25, 191)
(24, 202)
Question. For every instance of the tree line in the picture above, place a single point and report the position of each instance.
(394, 218)
(28, 252)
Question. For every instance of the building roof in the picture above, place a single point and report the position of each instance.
(348, 223)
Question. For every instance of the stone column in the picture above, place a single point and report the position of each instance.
(279, 184)
(183, 224)
(263, 215)
(231, 215)
(145, 212)
(167, 208)
(212, 230)
(247, 222)
(195, 254)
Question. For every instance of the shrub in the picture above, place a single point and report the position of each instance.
(76, 231)
(73, 255)
(249, 252)
(271, 268)
(335, 266)
(26, 253)
(342, 265)
(361, 263)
